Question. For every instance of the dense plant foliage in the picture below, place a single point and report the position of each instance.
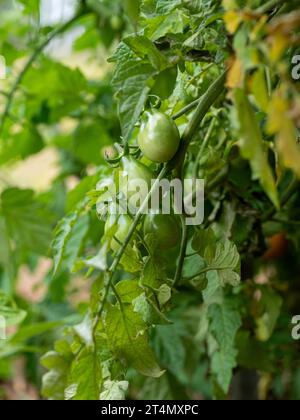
(173, 311)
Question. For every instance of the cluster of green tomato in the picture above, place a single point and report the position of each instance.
(158, 140)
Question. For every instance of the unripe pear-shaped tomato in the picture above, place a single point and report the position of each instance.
(159, 137)
(135, 179)
(120, 225)
(165, 228)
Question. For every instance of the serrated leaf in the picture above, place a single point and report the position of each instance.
(225, 322)
(128, 290)
(128, 340)
(114, 390)
(85, 378)
(220, 256)
(150, 314)
(132, 82)
(144, 48)
(161, 25)
(226, 261)
(67, 242)
(251, 145)
(58, 362)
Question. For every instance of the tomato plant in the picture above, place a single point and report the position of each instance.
(96, 304)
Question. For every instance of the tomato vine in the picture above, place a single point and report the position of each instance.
(161, 91)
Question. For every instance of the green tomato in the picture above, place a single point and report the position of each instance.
(118, 227)
(159, 137)
(165, 228)
(135, 179)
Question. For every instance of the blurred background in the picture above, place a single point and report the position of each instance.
(62, 117)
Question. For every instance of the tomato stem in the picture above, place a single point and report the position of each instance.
(270, 5)
(182, 255)
(203, 107)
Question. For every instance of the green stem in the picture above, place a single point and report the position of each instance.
(203, 146)
(206, 270)
(30, 61)
(186, 109)
(270, 5)
(182, 255)
(203, 107)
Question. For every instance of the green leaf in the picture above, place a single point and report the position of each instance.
(85, 377)
(132, 80)
(6, 257)
(30, 6)
(144, 48)
(58, 362)
(89, 142)
(114, 390)
(169, 342)
(11, 314)
(225, 322)
(21, 145)
(128, 290)
(159, 26)
(253, 354)
(27, 332)
(28, 223)
(226, 261)
(220, 256)
(128, 340)
(67, 242)
(150, 314)
(76, 195)
(153, 274)
(251, 145)
(160, 7)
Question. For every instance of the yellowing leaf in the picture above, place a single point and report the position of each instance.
(277, 113)
(279, 42)
(288, 149)
(281, 124)
(251, 145)
(236, 75)
(260, 90)
(232, 20)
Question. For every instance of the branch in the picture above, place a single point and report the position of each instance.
(182, 255)
(30, 61)
(269, 6)
(186, 109)
(203, 107)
